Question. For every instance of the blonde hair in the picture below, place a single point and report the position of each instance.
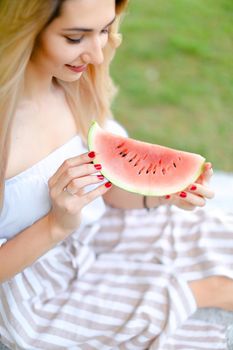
(21, 22)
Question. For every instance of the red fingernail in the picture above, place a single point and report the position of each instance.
(193, 188)
(183, 194)
(167, 196)
(98, 166)
(91, 154)
(100, 177)
(108, 184)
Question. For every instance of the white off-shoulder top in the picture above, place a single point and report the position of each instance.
(27, 198)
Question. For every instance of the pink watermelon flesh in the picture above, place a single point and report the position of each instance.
(142, 167)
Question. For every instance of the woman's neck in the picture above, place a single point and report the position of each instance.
(37, 84)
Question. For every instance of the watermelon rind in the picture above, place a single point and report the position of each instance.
(96, 131)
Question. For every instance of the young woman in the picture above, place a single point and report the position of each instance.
(83, 264)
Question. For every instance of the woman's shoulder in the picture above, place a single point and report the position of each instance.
(37, 130)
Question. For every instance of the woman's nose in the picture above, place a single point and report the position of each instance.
(94, 52)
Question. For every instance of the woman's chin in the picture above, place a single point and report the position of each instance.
(70, 77)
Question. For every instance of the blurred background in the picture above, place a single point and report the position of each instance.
(174, 71)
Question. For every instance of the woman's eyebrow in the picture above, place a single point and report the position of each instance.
(76, 29)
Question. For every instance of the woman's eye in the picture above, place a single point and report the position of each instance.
(78, 41)
(74, 41)
(105, 31)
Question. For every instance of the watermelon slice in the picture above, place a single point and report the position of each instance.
(141, 167)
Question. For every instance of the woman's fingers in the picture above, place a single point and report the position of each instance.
(97, 192)
(205, 177)
(179, 202)
(185, 205)
(192, 199)
(69, 176)
(70, 163)
(200, 190)
(196, 194)
(73, 175)
(76, 185)
(73, 203)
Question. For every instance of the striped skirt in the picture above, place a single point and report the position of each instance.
(121, 284)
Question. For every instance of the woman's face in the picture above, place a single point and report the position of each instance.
(75, 39)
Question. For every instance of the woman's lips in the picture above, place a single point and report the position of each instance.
(77, 69)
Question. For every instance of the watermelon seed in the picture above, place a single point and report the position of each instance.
(174, 164)
(124, 153)
(179, 158)
(160, 162)
(132, 158)
(121, 145)
(137, 162)
(149, 169)
(141, 170)
(164, 171)
(154, 170)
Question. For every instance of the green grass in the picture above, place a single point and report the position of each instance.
(174, 71)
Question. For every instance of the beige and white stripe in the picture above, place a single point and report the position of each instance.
(124, 289)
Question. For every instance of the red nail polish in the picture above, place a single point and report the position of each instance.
(100, 177)
(98, 166)
(167, 196)
(193, 188)
(183, 194)
(91, 154)
(108, 184)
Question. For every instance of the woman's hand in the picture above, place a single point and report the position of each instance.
(196, 194)
(68, 195)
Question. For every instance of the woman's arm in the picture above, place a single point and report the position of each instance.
(66, 188)
(119, 198)
(26, 247)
